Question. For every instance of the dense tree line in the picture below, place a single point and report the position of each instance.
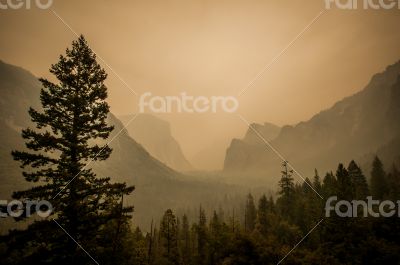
(272, 227)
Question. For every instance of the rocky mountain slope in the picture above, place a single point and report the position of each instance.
(155, 135)
(357, 127)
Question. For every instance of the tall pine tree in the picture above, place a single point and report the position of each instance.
(262, 222)
(359, 182)
(69, 129)
(185, 246)
(250, 214)
(202, 237)
(286, 191)
(379, 186)
(169, 239)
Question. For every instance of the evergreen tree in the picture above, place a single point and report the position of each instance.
(155, 251)
(138, 250)
(69, 131)
(379, 188)
(194, 242)
(150, 239)
(344, 184)
(304, 206)
(317, 182)
(335, 226)
(262, 224)
(286, 191)
(359, 182)
(317, 203)
(329, 186)
(271, 205)
(216, 239)
(169, 239)
(286, 183)
(215, 224)
(202, 237)
(186, 253)
(250, 214)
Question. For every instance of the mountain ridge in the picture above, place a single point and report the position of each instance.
(353, 127)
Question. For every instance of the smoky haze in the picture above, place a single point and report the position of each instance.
(213, 48)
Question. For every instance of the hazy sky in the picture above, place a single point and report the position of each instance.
(214, 48)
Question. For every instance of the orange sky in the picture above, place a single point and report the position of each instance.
(214, 48)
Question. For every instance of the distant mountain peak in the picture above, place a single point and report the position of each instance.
(267, 130)
(155, 135)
